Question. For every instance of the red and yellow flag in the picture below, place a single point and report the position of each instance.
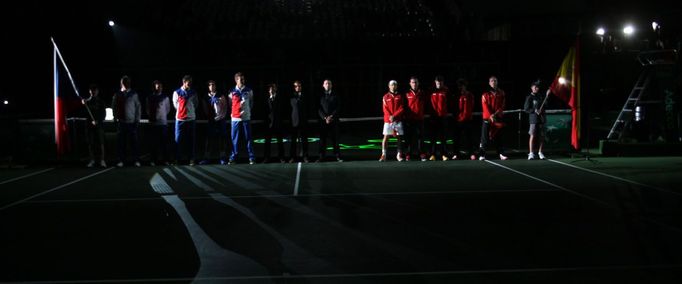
(566, 86)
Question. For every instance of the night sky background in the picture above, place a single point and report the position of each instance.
(359, 44)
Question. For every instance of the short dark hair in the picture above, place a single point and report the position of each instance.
(156, 82)
(461, 82)
(272, 85)
(298, 81)
(440, 78)
(93, 87)
(210, 82)
(187, 78)
(414, 78)
(125, 81)
(238, 74)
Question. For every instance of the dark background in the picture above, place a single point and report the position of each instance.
(359, 44)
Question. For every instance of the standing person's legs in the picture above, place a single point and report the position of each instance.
(249, 140)
(434, 135)
(235, 139)
(192, 132)
(121, 142)
(335, 138)
(267, 144)
(324, 129)
(99, 143)
(280, 143)
(409, 136)
(134, 141)
(293, 137)
(420, 138)
(485, 126)
(178, 140)
(457, 139)
(90, 139)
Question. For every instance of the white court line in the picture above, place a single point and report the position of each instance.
(615, 177)
(549, 183)
(379, 274)
(25, 176)
(298, 179)
(300, 195)
(56, 188)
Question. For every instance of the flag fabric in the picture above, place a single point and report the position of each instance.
(64, 102)
(566, 86)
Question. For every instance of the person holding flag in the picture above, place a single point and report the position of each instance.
(393, 110)
(535, 107)
(95, 127)
(493, 102)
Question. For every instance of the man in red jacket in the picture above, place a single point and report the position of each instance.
(393, 126)
(414, 120)
(464, 122)
(439, 122)
(493, 102)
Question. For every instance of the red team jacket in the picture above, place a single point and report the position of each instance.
(492, 102)
(393, 105)
(465, 107)
(439, 102)
(415, 104)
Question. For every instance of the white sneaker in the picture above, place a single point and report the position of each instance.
(137, 164)
(503, 157)
(399, 157)
(152, 164)
(542, 156)
(91, 164)
(481, 158)
(531, 156)
(120, 164)
(103, 163)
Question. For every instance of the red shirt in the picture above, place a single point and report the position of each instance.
(493, 102)
(466, 106)
(439, 102)
(415, 103)
(393, 106)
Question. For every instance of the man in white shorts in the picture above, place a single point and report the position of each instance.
(393, 126)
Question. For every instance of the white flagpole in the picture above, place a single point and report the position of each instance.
(73, 84)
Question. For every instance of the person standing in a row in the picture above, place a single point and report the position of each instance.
(185, 101)
(127, 111)
(328, 112)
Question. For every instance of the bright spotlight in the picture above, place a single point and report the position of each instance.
(111, 23)
(628, 30)
(654, 25)
(6, 102)
(562, 80)
(601, 31)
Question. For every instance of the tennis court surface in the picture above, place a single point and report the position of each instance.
(563, 220)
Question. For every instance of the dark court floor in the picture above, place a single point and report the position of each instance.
(555, 221)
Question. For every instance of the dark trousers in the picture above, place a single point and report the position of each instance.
(216, 139)
(439, 126)
(95, 140)
(296, 134)
(127, 132)
(414, 136)
(277, 133)
(185, 133)
(485, 139)
(464, 138)
(329, 130)
(158, 143)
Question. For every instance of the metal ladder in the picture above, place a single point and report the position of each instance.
(628, 110)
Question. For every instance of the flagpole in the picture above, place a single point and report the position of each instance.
(73, 84)
(56, 93)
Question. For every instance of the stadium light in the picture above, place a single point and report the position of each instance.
(562, 80)
(5, 102)
(628, 30)
(601, 31)
(111, 23)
